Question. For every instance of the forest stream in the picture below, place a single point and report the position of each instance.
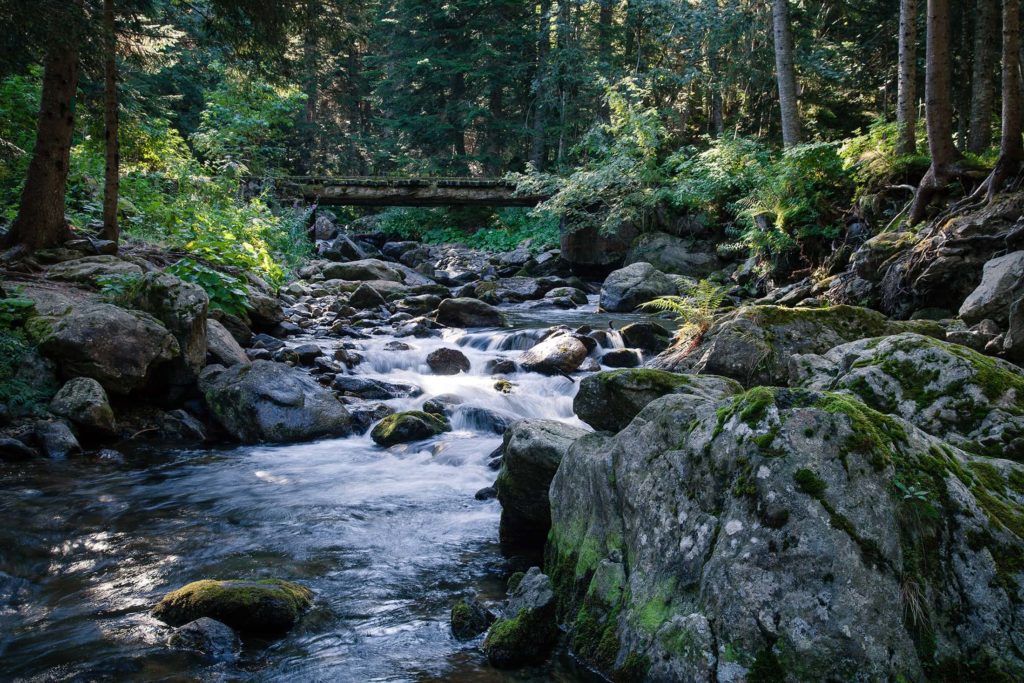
(387, 538)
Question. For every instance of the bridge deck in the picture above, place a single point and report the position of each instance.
(384, 191)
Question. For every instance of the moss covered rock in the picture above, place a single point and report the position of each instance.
(412, 425)
(469, 619)
(528, 631)
(973, 401)
(787, 532)
(262, 606)
(610, 400)
(753, 344)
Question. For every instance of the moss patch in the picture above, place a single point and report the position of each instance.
(258, 606)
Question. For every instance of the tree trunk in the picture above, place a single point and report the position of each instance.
(538, 151)
(786, 73)
(1011, 150)
(716, 115)
(311, 88)
(40, 222)
(938, 109)
(604, 34)
(112, 179)
(906, 104)
(982, 84)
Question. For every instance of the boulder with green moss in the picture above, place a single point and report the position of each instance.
(528, 631)
(532, 451)
(469, 618)
(412, 425)
(973, 401)
(91, 270)
(753, 344)
(261, 606)
(181, 307)
(610, 400)
(787, 532)
(272, 402)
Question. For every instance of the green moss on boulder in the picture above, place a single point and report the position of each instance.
(413, 425)
(262, 606)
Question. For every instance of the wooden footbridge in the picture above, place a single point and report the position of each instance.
(388, 191)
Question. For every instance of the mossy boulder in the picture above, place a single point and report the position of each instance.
(90, 270)
(753, 344)
(528, 631)
(272, 402)
(973, 401)
(412, 425)
(261, 606)
(469, 619)
(181, 306)
(83, 401)
(532, 452)
(788, 531)
(609, 401)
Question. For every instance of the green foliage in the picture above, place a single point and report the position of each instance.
(19, 396)
(246, 124)
(19, 103)
(505, 230)
(118, 289)
(870, 158)
(226, 292)
(695, 309)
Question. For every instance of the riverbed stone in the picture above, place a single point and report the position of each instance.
(257, 606)
(532, 450)
(413, 425)
(445, 361)
(559, 353)
(363, 269)
(470, 618)
(182, 307)
(608, 401)
(621, 358)
(647, 335)
(1002, 283)
(213, 639)
(55, 439)
(769, 529)
(468, 312)
(374, 389)
(83, 401)
(627, 288)
(528, 631)
(366, 297)
(264, 311)
(119, 348)
(13, 450)
(272, 402)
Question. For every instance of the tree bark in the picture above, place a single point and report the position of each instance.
(1011, 149)
(40, 222)
(982, 84)
(716, 115)
(112, 179)
(906, 99)
(938, 109)
(785, 73)
(538, 151)
(604, 33)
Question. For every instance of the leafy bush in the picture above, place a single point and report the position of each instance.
(119, 289)
(18, 396)
(694, 309)
(226, 292)
(870, 158)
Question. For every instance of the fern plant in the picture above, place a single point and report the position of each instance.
(694, 309)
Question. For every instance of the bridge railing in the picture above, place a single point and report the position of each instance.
(387, 181)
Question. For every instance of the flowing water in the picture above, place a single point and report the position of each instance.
(387, 538)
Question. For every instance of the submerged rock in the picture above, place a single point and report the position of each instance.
(447, 362)
(260, 606)
(13, 450)
(209, 637)
(532, 451)
(374, 389)
(469, 618)
(621, 358)
(528, 631)
(610, 400)
(268, 401)
(627, 288)
(413, 425)
(83, 401)
(785, 530)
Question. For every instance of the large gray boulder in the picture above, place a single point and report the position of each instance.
(972, 401)
(181, 306)
(121, 349)
(676, 255)
(627, 288)
(609, 401)
(532, 451)
(753, 344)
(222, 346)
(272, 402)
(791, 533)
(90, 270)
(363, 269)
(1002, 283)
(558, 354)
(83, 401)
(466, 312)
